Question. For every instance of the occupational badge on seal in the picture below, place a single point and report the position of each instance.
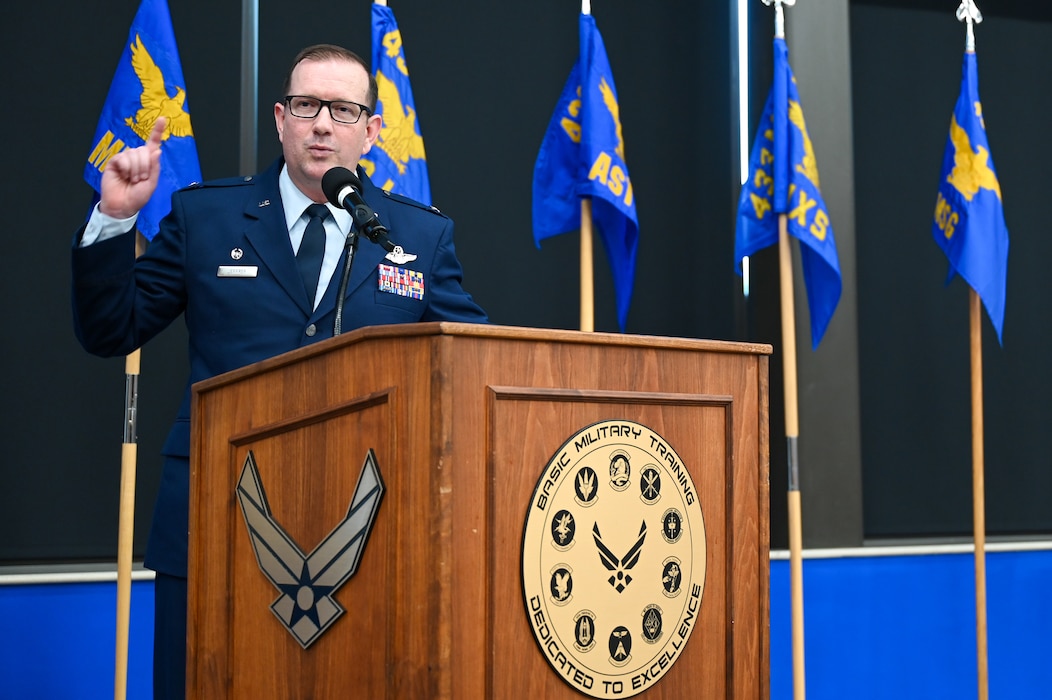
(613, 559)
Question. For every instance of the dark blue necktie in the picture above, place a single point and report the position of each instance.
(312, 249)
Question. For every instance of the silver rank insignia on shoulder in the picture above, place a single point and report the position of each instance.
(399, 256)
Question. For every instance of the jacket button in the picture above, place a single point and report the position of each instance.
(311, 330)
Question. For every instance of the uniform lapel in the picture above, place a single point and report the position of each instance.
(269, 236)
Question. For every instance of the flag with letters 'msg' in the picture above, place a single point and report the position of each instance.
(969, 222)
(783, 179)
(396, 162)
(148, 84)
(583, 155)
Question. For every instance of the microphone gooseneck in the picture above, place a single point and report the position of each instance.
(350, 247)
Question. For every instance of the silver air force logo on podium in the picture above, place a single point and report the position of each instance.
(613, 559)
(308, 581)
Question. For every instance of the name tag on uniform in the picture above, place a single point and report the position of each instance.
(237, 271)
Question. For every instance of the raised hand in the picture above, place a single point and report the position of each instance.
(130, 177)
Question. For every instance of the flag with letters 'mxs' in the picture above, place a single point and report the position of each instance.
(783, 179)
(148, 84)
(583, 155)
(397, 162)
(969, 222)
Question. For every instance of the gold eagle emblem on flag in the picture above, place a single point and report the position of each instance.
(398, 137)
(971, 169)
(155, 101)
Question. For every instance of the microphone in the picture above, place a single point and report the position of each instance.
(343, 189)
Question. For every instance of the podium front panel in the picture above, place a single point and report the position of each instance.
(698, 429)
(462, 422)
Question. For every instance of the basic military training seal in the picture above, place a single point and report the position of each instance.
(613, 559)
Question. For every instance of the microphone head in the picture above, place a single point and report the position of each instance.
(335, 180)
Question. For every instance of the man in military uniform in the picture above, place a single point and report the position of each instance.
(229, 257)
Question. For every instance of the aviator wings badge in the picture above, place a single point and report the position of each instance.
(306, 606)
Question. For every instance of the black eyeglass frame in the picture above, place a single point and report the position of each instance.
(327, 103)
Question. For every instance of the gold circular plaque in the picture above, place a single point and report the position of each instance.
(613, 559)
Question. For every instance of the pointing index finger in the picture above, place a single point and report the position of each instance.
(156, 133)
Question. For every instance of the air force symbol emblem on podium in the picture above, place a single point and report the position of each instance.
(307, 582)
(613, 559)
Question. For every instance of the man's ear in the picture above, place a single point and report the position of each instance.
(372, 131)
(279, 119)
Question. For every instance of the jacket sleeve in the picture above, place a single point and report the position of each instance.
(449, 301)
(120, 302)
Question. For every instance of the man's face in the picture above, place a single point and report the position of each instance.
(312, 146)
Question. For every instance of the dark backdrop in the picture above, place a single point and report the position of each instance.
(913, 329)
(486, 77)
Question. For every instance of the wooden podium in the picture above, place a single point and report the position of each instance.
(461, 422)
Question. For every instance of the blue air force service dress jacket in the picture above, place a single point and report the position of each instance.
(259, 311)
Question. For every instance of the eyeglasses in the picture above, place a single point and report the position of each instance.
(341, 111)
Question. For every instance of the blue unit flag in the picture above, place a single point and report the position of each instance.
(397, 162)
(583, 156)
(969, 222)
(148, 84)
(783, 179)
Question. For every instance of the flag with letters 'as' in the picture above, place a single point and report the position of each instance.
(583, 155)
(783, 179)
(397, 162)
(969, 222)
(148, 84)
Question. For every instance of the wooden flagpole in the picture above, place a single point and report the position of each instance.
(978, 487)
(587, 283)
(969, 13)
(587, 264)
(792, 432)
(126, 523)
(792, 423)
(126, 509)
